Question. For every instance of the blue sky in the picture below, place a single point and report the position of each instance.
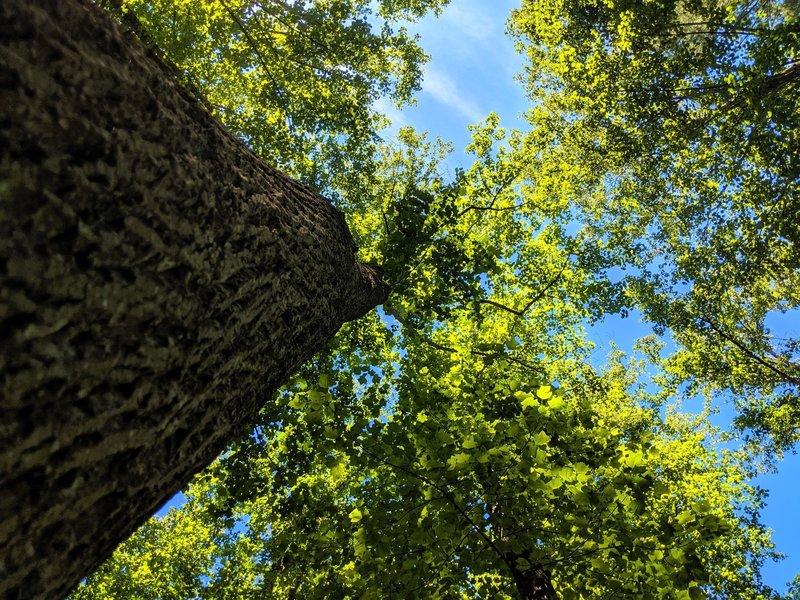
(471, 73)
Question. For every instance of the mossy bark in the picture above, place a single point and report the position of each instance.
(158, 282)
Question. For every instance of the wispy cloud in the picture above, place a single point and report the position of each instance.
(445, 90)
(470, 38)
(385, 107)
(474, 23)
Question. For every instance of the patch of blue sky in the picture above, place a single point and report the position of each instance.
(781, 514)
(176, 501)
(784, 326)
(470, 74)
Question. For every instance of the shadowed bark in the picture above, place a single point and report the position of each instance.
(533, 583)
(158, 282)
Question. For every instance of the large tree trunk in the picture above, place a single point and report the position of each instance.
(158, 282)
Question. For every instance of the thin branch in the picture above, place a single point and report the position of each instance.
(263, 62)
(494, 195)
(289, 25)
(728, 33)
(513, 311)
(492, 208)
(492, 355)
(750, 353)
(536, 298)
(447, 559)
(771, 83)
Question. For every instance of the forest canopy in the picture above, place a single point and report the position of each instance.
(463, 441)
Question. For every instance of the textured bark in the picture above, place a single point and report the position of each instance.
(158, 282)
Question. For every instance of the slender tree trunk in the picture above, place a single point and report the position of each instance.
(158, 282)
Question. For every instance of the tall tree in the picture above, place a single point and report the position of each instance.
(459, 445)
(683, 121)
(437, 460)
(158, 283)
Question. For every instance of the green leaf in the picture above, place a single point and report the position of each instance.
(470, 443)
(459, 460)
(540, 438)
(355, 515)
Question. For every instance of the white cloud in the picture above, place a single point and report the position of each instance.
(445, 90)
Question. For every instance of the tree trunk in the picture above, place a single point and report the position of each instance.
(158, 282)
(534, 583)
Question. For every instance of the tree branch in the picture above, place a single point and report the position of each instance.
(536, 298)
(749, 352)
(254, 46)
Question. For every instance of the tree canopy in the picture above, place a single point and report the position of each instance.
(684, 116)
(296, 80)
(463, 442)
